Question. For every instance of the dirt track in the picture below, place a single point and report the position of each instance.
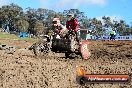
(21, 69)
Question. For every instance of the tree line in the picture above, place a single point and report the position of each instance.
(35, 21)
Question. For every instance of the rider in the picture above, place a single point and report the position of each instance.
(58, 27)
(72, 24)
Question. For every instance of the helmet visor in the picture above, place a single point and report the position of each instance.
(54, 22)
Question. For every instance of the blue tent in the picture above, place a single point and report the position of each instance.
(22, 34)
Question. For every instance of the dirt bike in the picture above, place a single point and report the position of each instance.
(58, 44)
(43, 46)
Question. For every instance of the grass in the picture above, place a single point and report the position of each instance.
(15, 40)
(7, 36)
(2, 43)
(13, 37)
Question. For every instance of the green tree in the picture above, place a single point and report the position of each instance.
(0, 22)
(39, 27)
(41, 14)
(9, 14)
(122, 27)
(96, 27)
(31, 18)
(22, 25)
(107, 22)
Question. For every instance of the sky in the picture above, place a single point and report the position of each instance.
(116, 9)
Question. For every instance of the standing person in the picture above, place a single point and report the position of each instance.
(72, 24)
(112, 35)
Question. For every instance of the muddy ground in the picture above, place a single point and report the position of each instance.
(21, 69)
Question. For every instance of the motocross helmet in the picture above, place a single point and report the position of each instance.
(56, 21)
(70, 16)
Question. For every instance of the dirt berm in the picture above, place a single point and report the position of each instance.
(21, 69)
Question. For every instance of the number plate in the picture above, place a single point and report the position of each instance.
(84, 50)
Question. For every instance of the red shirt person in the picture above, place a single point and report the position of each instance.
(72, 23)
